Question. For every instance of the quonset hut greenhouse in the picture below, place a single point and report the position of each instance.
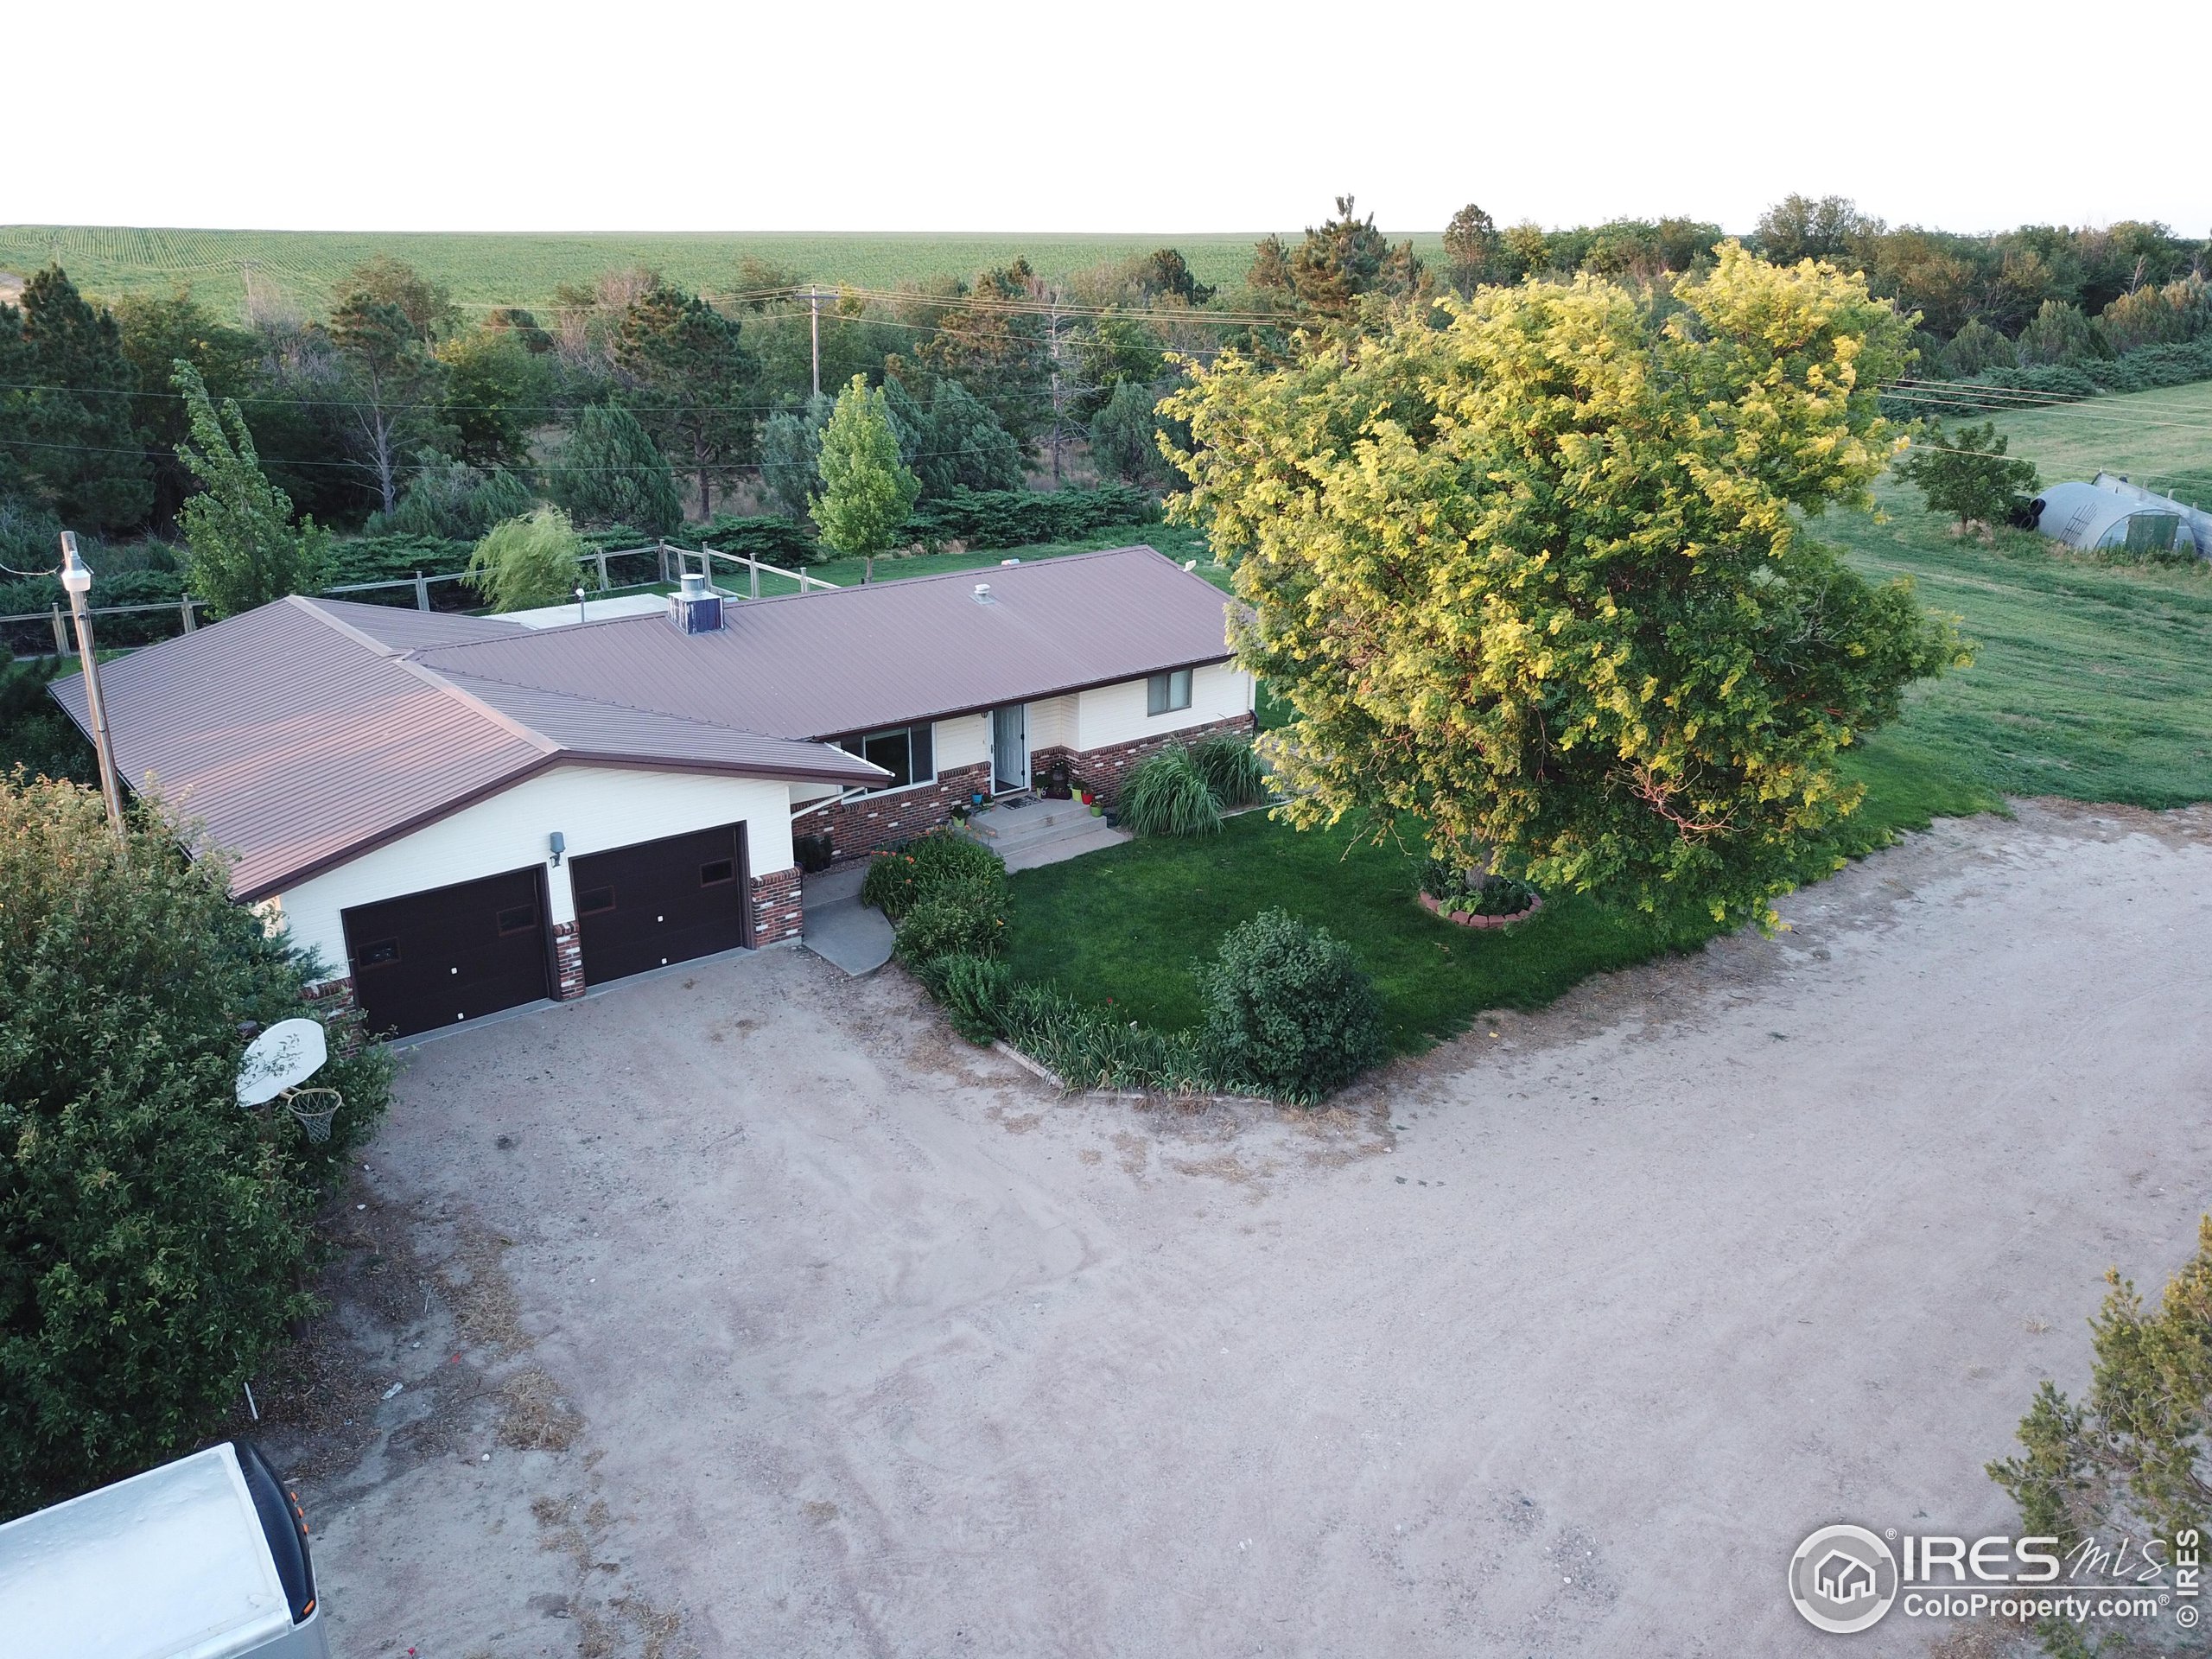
(2110, 514)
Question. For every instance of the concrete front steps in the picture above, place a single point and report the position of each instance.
(1031, 831)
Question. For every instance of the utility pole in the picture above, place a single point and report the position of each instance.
(77, 581)
(814, 324)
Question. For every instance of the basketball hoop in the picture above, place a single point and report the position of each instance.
(313, 1108)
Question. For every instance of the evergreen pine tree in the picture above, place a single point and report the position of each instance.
(66, 417)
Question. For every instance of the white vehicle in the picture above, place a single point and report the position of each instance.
(205, 1558)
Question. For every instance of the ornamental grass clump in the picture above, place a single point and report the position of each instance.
(1234, 772)
(1289, 1012)
(1168, 795)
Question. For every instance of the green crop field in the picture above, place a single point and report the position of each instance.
(300, 267)
(2162, 439)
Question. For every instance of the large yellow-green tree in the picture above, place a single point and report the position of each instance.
(1537, 585)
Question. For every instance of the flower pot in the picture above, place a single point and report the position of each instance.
(1096, 811)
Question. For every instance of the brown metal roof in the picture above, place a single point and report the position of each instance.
(306, 732)
(821, 665)
(299, 741)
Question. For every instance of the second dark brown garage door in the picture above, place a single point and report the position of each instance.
(662, 901)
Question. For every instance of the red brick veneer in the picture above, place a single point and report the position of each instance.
(568, 961)
(1102, 770)
(776, 912)
(863, 826)
(860, 827)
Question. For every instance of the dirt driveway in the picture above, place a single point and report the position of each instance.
(744, 1313)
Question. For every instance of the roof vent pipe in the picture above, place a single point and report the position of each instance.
(982, 593)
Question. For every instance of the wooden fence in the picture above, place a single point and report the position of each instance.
(28, 633)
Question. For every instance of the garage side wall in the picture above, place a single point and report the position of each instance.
(595, 808)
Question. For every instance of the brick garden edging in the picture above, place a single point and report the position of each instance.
(1468, 918)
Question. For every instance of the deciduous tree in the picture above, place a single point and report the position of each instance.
(1473, 249)
(527, 562)
(394, 386)
(154, 1237)
(867, 491)
(1965, 473)
(1535, 583)
(158, 331)
(244, 548)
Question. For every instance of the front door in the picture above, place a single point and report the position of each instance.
(1010, 748)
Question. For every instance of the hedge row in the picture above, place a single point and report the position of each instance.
(2146, 368)
(1020, 517)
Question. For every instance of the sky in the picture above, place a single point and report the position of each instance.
(1180, 118)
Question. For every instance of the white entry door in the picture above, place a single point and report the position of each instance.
(1010, 748)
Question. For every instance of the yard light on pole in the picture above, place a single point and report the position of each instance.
(77, 581)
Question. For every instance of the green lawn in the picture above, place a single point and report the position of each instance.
(2093, 681)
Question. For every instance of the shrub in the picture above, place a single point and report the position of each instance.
(527, 562)
(1234, 772)
(153, 1237)
(899, 879)
(1288, 1010)
(963, 916)
(1168, 794)
(974, 991)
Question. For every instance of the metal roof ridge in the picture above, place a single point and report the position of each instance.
(429, 677)
(639, 708)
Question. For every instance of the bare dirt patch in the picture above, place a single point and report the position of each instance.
(1556, 1340)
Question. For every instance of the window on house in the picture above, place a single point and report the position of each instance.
(714, 874)
(1164, 693)
(907, 753)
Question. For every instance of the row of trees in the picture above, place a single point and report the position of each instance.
(633, 400)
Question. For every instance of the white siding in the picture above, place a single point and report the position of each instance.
(963, 740)
(1052, 724)
(1116, 713)
(595, 808)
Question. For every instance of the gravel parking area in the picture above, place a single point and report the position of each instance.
(749, 1312)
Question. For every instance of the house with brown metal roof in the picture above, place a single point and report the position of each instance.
(461, 815)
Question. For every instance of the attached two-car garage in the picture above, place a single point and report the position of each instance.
(448, 954)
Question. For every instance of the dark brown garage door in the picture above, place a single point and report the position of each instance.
(662, 901)
(452, 953)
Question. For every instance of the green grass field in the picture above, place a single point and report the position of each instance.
(2092, 681)
(2159, 439)
(484, 270)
